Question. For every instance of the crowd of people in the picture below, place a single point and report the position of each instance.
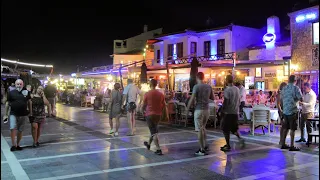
(24, 105)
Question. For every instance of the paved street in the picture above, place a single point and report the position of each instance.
(76, 145)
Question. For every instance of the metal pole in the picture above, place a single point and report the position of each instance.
(168, 74)
(120, 76)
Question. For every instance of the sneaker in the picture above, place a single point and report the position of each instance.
(158, 152)
(294, 148)
(19, 148)
(116, 134)
(200, 153)
(206, 148)
(301, 140)
(111, 131)
(226, 148)
(37, 144)
(5, 121)
(147, 145)
(285, 147)
(13, 148)
(242, 143)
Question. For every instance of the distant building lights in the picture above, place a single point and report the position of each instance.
(303, 17)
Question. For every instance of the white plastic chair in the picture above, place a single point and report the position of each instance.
(261, 117)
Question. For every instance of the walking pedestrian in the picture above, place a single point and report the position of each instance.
(39, 101)
(230, 111)
(290, 96)
(19, 101)
(50, 92)
(115, 108)
(153, 105)
(201, 93)
(280, 111)
(130, 97)
(308, 107)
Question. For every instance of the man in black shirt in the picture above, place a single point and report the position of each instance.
(19, 100)
(50, 92)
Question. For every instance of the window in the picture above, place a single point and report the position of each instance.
(193, 49)
(158, 55)
(315, 32)
(221, 47)
(124, 43)
(118, 44)
(180, 50)
(170, 51)
(207, 48)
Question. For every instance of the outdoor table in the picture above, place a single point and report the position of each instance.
(90, 99)
(273, 113)
(314, 133)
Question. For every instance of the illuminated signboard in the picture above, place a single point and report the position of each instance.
(269, 38)
(258, 72)
(248, 81)
(303, 17)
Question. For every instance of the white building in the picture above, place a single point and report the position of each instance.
(232, 38)
(273, 47)
(132, 49)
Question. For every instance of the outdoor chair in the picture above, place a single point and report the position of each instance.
(172, 111)
(261, 118)
(183, 114)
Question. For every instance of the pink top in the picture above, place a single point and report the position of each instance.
(154, 101)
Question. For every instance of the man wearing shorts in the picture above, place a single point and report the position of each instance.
(18, 100)
(290, 96)
(230, 110)
(153, 105)
(202, 93)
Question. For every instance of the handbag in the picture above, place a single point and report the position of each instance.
(131, 106)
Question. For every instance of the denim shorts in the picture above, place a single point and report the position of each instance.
(17, 122)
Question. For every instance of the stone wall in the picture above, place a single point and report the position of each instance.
(302, 46)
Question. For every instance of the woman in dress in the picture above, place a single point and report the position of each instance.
(115, 108)
(38, 111)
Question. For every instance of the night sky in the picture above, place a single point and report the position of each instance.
(70, 33)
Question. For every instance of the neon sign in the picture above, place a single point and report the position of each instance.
(269, 38)
(303, 17)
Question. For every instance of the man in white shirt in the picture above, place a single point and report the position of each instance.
(243, 96)
(130, 97)
(308, 105)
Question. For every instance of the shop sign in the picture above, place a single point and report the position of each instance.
(269, 37)
(270, 74)
(315, 56)
(248, 81)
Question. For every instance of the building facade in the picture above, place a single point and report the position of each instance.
(217, 41)
(132, 49)
(304, 25)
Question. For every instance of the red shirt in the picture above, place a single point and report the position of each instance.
(154, 100)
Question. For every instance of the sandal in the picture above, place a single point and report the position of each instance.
(294, 148)
(285, 146)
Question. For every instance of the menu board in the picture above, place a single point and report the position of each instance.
(248, 81)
